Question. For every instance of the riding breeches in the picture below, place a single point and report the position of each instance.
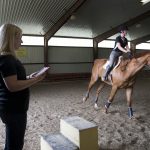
(113, 58)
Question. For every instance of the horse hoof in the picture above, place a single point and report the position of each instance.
(96, 107)
(105, 111)
(133, 118)
(84, 99)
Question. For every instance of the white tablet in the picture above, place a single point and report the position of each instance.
(42, 71)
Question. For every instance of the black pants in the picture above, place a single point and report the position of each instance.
(15, 130)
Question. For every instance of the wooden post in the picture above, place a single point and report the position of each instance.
(95, 49)
(45, 52)
(133, 48)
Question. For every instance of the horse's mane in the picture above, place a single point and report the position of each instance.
(125, 62)
(137, 55)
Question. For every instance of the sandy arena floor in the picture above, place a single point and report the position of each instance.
(52, 101)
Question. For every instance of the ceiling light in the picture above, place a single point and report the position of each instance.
(145, 1)
(72, 17)
(138, 25)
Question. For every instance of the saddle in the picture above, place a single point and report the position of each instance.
(121, 63)
(117, 64)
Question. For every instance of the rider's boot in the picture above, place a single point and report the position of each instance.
(107, 71)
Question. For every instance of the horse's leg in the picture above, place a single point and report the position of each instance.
(111, 97)
(93, 80)
(97, 94)
(129, 101)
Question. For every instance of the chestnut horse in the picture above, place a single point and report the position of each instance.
(124, 76)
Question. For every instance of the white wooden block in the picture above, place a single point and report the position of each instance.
(81, 132)
(56, 142)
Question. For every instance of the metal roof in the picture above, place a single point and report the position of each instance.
(98, 16)
(93, 18)
(33, 16)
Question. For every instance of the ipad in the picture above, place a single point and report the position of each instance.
(42, 71)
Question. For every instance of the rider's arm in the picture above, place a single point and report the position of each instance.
(121, 48)
(127, 48)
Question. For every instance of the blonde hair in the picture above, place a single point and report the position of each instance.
(8, 33)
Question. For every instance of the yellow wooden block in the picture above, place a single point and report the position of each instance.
(81, 132)
(56, 142)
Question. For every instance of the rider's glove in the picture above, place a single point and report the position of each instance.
(130, 55)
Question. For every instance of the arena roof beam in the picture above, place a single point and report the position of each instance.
(141, 39)
(114, 30)
(45, 52)
(133, 43)
(95, 49)
(63, 19)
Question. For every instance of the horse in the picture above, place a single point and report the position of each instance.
(123, 76)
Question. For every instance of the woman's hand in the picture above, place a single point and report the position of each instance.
(128, 51)
(32, 75)
(130, 55)
(41, 76)
(38, 73)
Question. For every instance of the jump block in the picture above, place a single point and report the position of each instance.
(56, 142)
(81, 132)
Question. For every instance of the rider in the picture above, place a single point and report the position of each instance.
(121, 46)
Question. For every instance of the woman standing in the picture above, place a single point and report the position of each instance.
(14, 87)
